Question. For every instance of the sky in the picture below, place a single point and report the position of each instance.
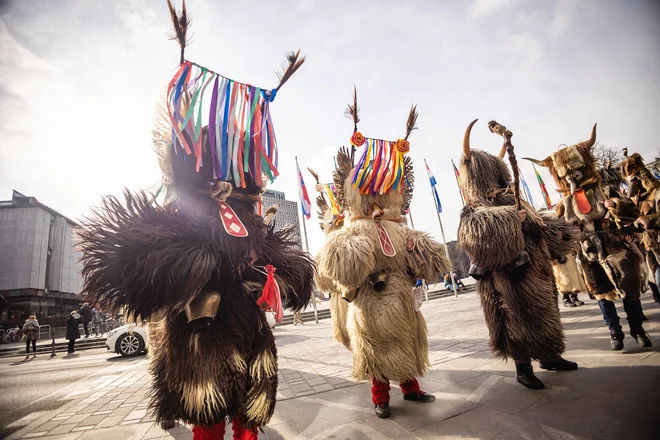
(79, 81)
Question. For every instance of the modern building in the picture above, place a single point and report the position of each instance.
(287, 212)
(39, 267)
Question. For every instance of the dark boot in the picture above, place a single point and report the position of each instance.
(560, 364)
(640, 335)
(419, 396)
(383, 410)
(525, 376)
(575, 300)
(617, 339)
(567, 301)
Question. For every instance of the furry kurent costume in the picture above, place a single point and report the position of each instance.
(644, 191)
(205, 260)
(611, 265)
(373, 260)
(510, 247)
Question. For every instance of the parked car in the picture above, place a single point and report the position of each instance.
(128, 340)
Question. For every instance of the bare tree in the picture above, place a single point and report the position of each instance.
(607, 156)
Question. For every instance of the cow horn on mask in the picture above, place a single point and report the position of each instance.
(540, 163)
(466, 141)
(591, 142)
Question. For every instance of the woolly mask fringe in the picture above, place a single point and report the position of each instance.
(240, 129)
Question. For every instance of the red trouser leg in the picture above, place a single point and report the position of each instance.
(410, 386)
(380, 392)
(209, 432)
(243, 433)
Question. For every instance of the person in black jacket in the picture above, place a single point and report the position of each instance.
(72, 331)
(86, 313)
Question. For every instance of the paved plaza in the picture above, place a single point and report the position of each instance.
(614, 395)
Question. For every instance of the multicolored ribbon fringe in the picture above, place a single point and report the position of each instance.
(241, 135)
(331, 191)
(381, 167)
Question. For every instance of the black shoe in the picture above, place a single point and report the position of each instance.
(576, 301)
(644, 318)
(525, 376)
(383, 410)
(560, 364)
(617, 339)
(419, 396)
(641, 337)
(569, 303)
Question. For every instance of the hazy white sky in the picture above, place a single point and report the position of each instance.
(79, 80)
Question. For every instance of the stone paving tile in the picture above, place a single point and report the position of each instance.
(477, 395)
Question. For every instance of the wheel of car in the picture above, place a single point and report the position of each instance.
(130, 344)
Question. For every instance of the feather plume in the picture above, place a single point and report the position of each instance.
(353, 111)
(411, 124)
(409, 184)
(181, 23)
(292, 64)
(341, 173)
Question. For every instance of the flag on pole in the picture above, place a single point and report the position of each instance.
(304, 198)
(435, 191)
(458, 182)
(546, 196)
(526, 188)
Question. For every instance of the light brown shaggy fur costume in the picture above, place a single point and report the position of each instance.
(519, 304)
(387, 337)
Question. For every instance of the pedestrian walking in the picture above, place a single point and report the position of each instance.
(72, 331)
(86, 314)
(97, 317)
(30, 335)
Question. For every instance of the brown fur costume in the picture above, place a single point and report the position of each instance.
(387, 337)
(611, 267)
(156, 259)
(519, 303)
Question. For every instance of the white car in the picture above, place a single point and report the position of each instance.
(128, 340)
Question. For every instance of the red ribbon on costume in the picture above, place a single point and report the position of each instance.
(271, 294)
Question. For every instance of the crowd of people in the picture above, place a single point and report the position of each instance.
(208, 263)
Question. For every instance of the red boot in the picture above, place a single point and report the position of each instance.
(215, 432)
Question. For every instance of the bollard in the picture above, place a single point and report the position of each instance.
(52, 353)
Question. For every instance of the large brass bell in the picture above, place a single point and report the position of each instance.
(201, 310)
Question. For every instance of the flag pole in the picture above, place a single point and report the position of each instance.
(442, 231)
(412, 223)
(444, 240)
(316, 313)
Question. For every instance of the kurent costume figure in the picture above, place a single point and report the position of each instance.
(510, 247)
(373, 261)
(205, 261)
(644, 190)
(610, 264)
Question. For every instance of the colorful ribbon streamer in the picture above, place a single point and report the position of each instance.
(241, 136)
(380, 169)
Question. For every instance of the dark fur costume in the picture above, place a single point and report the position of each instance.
(156, 259)
(153, 258)
(519, 303)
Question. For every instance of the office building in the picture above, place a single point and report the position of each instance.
(287, 212)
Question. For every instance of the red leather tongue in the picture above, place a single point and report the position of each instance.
(583, 204)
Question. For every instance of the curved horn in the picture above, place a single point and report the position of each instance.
(466, 141)
(540, 163)
(592, 140)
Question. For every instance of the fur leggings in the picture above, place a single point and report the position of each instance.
(380, 391)
(218, 431)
